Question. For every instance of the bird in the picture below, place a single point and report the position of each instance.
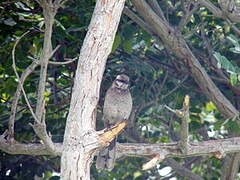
(117, 107)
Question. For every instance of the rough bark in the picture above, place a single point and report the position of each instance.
(166, 150)
(80, 127)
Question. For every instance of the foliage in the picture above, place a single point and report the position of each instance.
(157, 78)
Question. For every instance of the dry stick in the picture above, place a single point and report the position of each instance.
(184, 115)
(153, 162)
(69, 60)
(63, 63)
(17, 95)
(184, 127)
(20, 83)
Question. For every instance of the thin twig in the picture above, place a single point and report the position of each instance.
(69, 60)
(15, 71)
(175, 88)
(63, 63)
(187, 16)
(17, 95)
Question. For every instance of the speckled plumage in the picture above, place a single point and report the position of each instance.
(117, 107)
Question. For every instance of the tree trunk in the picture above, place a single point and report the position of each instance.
(80, 139)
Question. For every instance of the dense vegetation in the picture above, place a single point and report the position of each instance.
(158, 78)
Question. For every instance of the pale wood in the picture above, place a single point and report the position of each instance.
(80, 126)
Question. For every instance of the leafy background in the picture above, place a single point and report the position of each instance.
(157, 79)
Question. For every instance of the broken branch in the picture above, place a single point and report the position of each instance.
(111, 133)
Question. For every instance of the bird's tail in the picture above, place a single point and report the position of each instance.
(106, 157)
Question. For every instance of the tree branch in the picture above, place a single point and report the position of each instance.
(182, 171)
(205, 148)
(176, 43)
(15, 147)
(111, 133)
(20, 82)
(184, 126)
(138, 20)
(224, 12)
(39, 126)
(166, 150)
(97, 45)
(158, 10)
(17, 95)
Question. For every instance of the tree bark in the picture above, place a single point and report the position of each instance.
(80, 135)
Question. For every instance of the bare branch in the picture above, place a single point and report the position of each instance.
(184, 115)
(47, 51)
(158, 10)
(205, 148)
(182, 171)
(20, 83)
(15, 147)
(153, 162)
(49, 12)
(63, 63)
(138, 20)
(17, 95)
(184, 126)
(111, 133)
(69, 60)
(166, 150)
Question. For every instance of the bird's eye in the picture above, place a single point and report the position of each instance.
(122, 81)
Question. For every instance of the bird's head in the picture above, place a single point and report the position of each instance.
(121, 82)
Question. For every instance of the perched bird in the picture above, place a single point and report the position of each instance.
(117, 107)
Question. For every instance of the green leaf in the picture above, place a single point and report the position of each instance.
(137, 174)
(127, 46)
(235, 50)
(234, 40)
(210, 106)
(224, 63)
(117, 42)
(234, 79)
